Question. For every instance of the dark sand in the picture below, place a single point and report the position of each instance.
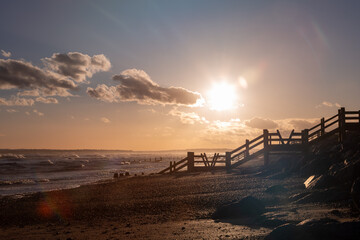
(157, 207)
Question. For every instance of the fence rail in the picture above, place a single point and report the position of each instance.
(339, 124)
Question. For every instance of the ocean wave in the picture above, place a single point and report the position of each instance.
(23, 181)
(12, 156)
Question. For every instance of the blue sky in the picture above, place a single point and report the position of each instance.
(300, 60)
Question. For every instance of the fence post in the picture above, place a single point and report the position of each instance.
(171, 166)
(247, 146)
(342, 126)
(322, 127)
(305, 143)
(305, 136)
(190, 157)
(359, 119)
(228, 160)
(266, 146)
(174, 166)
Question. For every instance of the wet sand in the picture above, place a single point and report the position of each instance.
(158, 207)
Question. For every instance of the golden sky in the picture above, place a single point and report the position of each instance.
(155, 75)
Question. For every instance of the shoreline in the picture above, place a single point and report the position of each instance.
(175, 206)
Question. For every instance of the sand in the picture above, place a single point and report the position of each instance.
(175, 206)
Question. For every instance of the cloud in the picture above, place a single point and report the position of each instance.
(5, 54)
(24, 75)
(47, 100)
(136, 85)
(77, 66)
(38, 113)
(188, 117)
(11, 110)
(17, 101)
(104, 93)
(328, 104)
(32, 93)
(105, 120)
(261, 123)
(302, 124)
(232, 132)
(61, 74)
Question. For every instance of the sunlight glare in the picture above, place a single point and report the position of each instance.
(222, 97)
(243, 83)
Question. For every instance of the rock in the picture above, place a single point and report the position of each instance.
(287, 232)
(323, 181)
(246, 207)
(116, 175)
(309, 180)
(276, 189)
(355, 193)
(349, 173)
(310, 229)
(297, 196)
(127, 174)
(327, 195)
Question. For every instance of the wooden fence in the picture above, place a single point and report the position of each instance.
(272, 143)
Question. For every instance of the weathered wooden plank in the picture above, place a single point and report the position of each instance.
(255, 139)
(331, 118)
(290, 137)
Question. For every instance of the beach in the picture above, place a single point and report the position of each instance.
(178, 206)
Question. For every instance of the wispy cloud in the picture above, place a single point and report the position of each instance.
(188, 117)
(261, 123)
(5, 54)
(16, 101)
(105, 120)
(47, 100)
(38, 113)
(11, 110)
(136, 85)
(328, 104)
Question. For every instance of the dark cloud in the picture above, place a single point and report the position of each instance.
(60, 75)
(104, 93)
(136, 85)
(261, 123)
(76, 65)
(24, 75)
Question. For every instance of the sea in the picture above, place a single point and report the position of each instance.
(27, 171)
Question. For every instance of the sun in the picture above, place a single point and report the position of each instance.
(222, 96)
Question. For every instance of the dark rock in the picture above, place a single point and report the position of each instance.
(276, 189)
(287, 232)
(323, 181)
(297, 196)
(333, 169)
(116, 175)
(327, 195)
(127, 174)
(246, 207)
(349, 173)
(317, 229)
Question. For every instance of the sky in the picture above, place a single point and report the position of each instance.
(160, 75)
